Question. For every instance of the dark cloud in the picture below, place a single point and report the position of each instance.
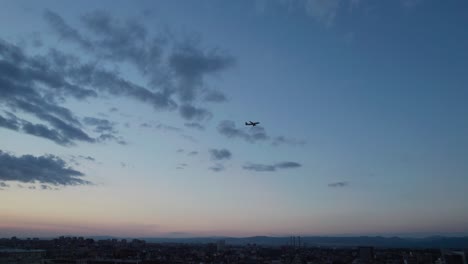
(273, 167)
(190, 65)
(113, 109)
(112, 83)
(10, 123)
(110, 38)
(259, 167)
(217, 167)
(192, 153)
(46, 169)
(39, 130)
(251, 134)
(338, 184)
(288, 141)
(287, 165)
(195, 125)
(171, 67)
(37, 86)
(145, 125)
(180, 150)
(43, 131)
(220, 154)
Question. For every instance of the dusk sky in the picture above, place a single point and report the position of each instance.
(127, 118)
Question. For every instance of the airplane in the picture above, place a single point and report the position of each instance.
(250, 123)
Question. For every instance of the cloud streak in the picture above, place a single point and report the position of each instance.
(47, 169)
(281, 140)
(338, 184)
(37, 86)
(271, 167)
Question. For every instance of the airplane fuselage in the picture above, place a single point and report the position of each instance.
(251, 123)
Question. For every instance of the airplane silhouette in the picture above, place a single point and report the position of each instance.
(250, 123)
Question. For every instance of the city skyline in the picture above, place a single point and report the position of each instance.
(129, 119)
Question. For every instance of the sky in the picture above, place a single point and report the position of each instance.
(127, 118)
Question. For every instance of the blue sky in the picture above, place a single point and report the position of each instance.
(123, 118)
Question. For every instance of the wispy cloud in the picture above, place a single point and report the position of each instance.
(277, 141)
(195, 125)
(271, 167)
(217, 167)
(165, 127)
(100, 125)
(88, 158)
(192, 153)
(287, 165)
(175, 69)
(181, 166)
(324, 12)
(220, 154)
(228, 128)
(338, 184)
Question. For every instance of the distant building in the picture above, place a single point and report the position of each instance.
(296, 260)
(21, 256)
(366, 254)
(220, 245)
(454, 257)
